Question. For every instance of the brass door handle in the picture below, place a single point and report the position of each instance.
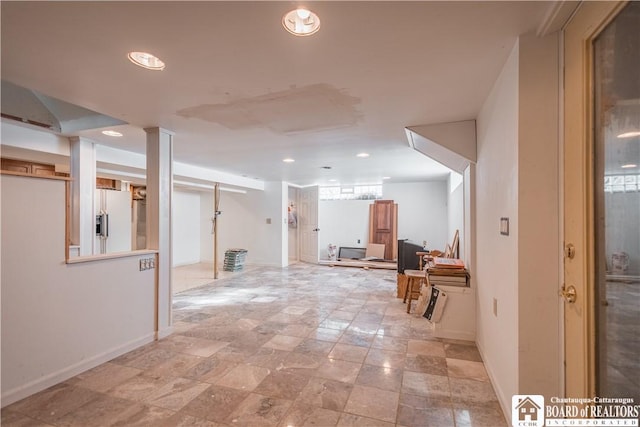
(569, 293)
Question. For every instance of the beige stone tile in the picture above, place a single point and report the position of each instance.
(350, 353)
(373, 402)
(54, 402)
(326, 334)
(215, 403)
(176, 366)
(339, 370)
(419, 410)
(180, 419)
(323, 393)
(247, 324)
(466, 351)
(106, 411)
(176, 393)
(351, 420)
(210, 369)
(468, 369)
(295, 310)
(14, 419)
(297, 330)
(435, 386)
(383, 378)
(190, 345)
(138, 388)
(426, 364)
(427, 348)
(244, 377)
(466, 390)
(390, 343)
(485, 415)
(282, 384)
(259, 410)
(384, 358)
(106, 376)
(303, 415)
(283, 342)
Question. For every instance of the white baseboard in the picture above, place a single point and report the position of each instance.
(10, 396)
(164, 333)
(505, 401)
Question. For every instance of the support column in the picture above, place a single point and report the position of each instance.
(83, 186)
(159, 195)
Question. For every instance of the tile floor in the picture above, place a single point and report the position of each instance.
(302, 346)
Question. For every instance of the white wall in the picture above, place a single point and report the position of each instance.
(342, 223)
(538, 218)
(243, 224)
(455, 209)
(517, 176)
(57, 319)
(422, 211)
(497, 255)
(186, 227)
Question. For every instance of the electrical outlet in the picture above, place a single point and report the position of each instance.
(358, 241)
(495, 307)
(147, 264)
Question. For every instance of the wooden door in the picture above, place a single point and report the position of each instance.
(383, 226)
(579, 224)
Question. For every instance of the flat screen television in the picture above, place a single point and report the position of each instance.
(407, 258)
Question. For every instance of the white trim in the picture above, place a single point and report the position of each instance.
(91, 258)
(64, 374)
(505, 401)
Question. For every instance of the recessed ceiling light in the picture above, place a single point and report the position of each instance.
(301, 22)
(146, 60)
(288, 160)
(386, 177)
(333, 180)
(629, 166)
(629, 134)
(111, 133)
(362, 155)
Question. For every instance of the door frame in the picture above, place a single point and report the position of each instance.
(579, 328)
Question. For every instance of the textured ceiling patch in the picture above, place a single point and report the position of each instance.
(297, 110)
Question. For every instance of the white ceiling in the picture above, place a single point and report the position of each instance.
(241, 93)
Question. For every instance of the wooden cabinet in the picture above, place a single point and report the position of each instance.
(383, 226)
(32, 168)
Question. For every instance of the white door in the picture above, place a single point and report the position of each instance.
(581, 188)
(308, 224)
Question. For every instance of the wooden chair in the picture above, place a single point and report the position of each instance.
(415, 278)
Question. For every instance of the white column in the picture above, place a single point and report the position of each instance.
(83, 185)
(159, 195)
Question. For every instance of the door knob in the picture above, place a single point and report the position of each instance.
(316, 229)
(569, 293)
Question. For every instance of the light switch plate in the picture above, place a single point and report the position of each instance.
(504, 226)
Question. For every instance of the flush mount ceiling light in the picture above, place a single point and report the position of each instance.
(629, 134)
(363, 155)
(146, 60)
(111, 133)
(288, 160)
(301, 22)
(386, 177)
(629, 166)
